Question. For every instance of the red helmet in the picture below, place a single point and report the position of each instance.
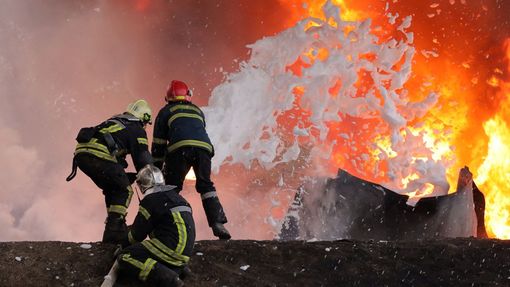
(178, 91)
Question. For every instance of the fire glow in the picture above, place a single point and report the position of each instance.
(467, 126)
(482, 143)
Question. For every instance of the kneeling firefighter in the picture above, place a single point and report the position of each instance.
(101, 154)
(165, 215)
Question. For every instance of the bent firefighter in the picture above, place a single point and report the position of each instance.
(101, 154)
(167, 217)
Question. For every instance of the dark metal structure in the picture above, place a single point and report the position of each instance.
(347, 207)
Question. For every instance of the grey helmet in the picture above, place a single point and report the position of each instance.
(148, 177)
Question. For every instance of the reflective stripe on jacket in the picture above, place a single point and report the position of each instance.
(166, 217)
(129, 137)
(179, 124)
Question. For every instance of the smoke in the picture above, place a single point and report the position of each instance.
(69, 64)
(56, 76)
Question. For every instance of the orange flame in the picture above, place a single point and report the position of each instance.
(470, 124)
(494, 172)
(494, 176)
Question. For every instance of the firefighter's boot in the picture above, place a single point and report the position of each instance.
(185, 273)
(115, 230)
(162, 276)
(215, 216)
(220, 231)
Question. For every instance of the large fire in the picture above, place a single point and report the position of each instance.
(470, 123)
(457, 59)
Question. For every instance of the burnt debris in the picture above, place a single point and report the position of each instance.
(347, 207)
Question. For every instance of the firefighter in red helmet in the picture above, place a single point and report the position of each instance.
(181, 142)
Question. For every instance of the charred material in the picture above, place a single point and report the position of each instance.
(351, 208)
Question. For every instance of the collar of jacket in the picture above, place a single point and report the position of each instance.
(158, 188)
(128, 117)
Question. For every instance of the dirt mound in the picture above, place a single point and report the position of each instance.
(445, 262)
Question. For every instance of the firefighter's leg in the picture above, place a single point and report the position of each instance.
(137, 262)
(111, 178)
(213, 209)
(176, 167)
(118, 195)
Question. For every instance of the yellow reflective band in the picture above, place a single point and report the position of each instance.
(142, 141)
(111, 129)
(144, 212)
(96, 149)
(132, 261)
(130, 195)
(184, 107)
(168, 250)
(147, 267)
(162, 251)
(190, 143)
(118, 209)
(159, 141)
(181, 230)
(94, 145)
(183, 115)
(96, 153)
(131, 239)
(160, 254)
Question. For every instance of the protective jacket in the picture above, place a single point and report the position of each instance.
(167, 218)
(113, 139)
(179, 124)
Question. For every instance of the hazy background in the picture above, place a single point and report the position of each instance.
(68, 64)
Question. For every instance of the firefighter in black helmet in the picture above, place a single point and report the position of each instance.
(100, 154)
(161, 260)
(181, 142)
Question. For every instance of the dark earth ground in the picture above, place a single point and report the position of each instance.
(445, 262)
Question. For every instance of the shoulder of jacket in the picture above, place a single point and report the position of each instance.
(165, 110)
(150, 200)
(165, 107)
(126, 119)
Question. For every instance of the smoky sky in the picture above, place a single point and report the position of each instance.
(76, 59)
(69, 64)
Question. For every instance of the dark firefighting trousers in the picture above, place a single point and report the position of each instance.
(177, 165)
(112, 179)
(136, 261)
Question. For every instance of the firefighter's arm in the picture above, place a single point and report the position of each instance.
(141, 227)
(203, 116)
(140, 149)
(159, 141)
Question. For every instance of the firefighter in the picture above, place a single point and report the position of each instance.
(168, 218)
(181, 142)
(101, 154)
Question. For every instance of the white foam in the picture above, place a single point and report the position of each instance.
(243, 110)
